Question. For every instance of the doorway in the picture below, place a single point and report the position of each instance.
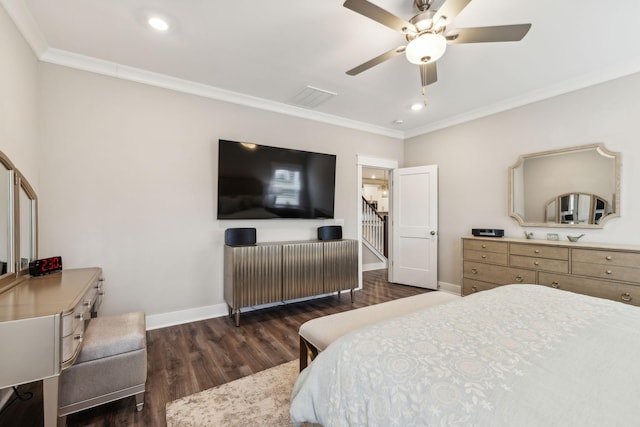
(414, 226)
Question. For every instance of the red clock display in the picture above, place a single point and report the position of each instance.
(45, 266)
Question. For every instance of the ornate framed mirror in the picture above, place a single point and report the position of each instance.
(576, 187)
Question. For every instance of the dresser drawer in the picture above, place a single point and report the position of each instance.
(626, 293)
(603, 271)
(492, 257)
(71, 345)
(539, 251)
(546, 264)
(623, 259)
(470, 286)
(497, 274)
(486, 246)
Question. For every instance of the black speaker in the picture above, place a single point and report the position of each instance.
(330, 232)
(240, 236)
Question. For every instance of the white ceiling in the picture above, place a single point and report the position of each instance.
(264, 53)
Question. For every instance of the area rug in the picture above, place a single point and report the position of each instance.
(261, 399)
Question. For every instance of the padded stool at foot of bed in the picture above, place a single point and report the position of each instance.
(111, 365)
(317, 334)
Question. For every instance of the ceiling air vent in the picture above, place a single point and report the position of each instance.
(311, 97)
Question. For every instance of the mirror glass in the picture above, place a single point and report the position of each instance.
(6, 219)
(27, 214)
(575, 187)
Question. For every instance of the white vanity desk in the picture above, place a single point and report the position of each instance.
(42, 321)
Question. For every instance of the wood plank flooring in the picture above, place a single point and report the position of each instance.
(192, 357)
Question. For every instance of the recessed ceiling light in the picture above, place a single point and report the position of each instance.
(398, 121)
(158, 23)
(417, 106)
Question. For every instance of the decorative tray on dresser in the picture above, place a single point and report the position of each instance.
(605, 271)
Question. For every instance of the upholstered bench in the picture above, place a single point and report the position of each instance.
(317, 334)
(112, 364)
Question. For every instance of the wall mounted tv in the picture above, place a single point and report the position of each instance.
(262, 182)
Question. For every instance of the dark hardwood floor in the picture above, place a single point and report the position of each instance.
(192, 357)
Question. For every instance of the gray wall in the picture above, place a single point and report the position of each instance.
(474, 158)
(18, 100)
(130, 184)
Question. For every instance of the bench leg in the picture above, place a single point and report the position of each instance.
(303, 354)
(139, 401)
(307, 352)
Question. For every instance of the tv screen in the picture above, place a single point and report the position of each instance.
(262, 182)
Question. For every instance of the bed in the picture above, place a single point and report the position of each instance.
(517, 355)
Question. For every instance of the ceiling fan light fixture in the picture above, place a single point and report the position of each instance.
(158, 23)
(426, 48)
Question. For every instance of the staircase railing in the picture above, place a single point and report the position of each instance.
(374, 228)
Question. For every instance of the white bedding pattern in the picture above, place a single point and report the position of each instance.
(515, 356)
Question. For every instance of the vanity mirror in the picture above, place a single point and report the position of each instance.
(577, 187)
(18, 224)
(6, 218)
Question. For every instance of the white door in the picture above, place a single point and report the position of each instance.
(414, 256)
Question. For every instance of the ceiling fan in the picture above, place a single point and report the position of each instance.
(426, 34)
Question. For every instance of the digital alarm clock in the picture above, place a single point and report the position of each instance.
(43, 266)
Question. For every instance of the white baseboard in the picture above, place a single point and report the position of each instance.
(374, 266)
(450, 288)
(162, 320)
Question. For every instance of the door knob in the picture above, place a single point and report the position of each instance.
(433, 233)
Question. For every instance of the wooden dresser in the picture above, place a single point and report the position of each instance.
(42, 321)
(604, 271)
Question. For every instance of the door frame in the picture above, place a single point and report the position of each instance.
(373, 162)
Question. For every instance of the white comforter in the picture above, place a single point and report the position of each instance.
(519, 355)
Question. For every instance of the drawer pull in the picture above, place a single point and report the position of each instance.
(519, 279)
(609, 272)
(484, 246)
(474, 271)
(484, 256)
(536, 263)
(608, 258)
(537, 251)
(80, 316)
(626, 297)
(78, 338)
(555, 285)
(474, 289)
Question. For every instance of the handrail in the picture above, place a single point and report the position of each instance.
(374, 227)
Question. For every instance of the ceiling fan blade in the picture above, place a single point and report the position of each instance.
(377, 60)
(450, 9)
(371, 11)
(501, 33)
(428, 73)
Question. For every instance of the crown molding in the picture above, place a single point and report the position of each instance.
(583, 81)
(112, 69)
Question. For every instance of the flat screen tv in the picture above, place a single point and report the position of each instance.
(262, 182)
